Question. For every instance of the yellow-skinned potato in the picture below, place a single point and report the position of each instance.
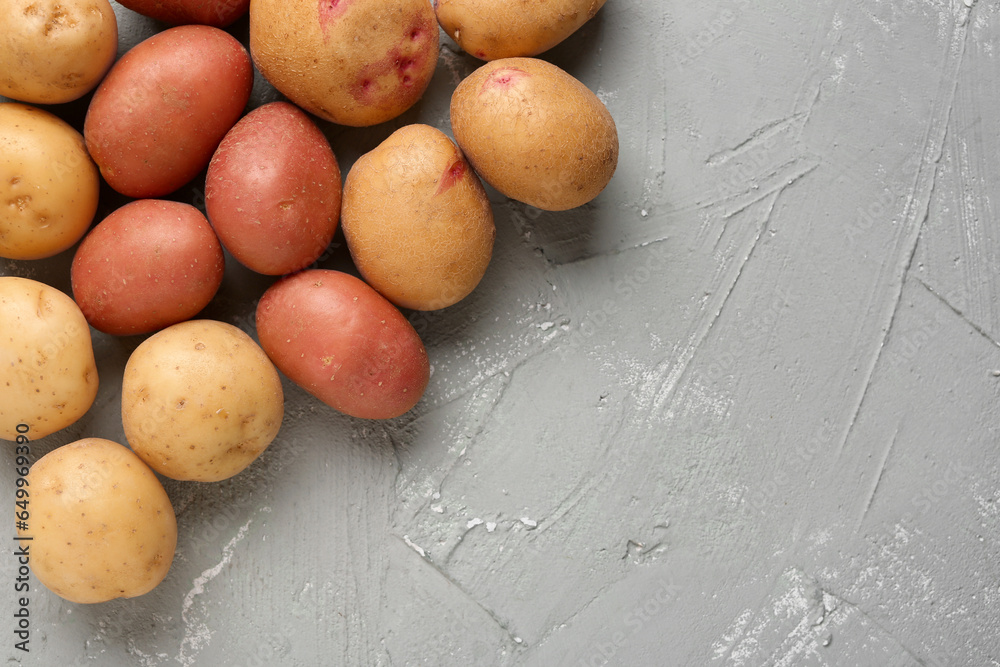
(491, 29)
(48, 376)
(48, 183)
(55, 51)
(352, 62)
(417, 220)
(200, 401)
(535, 133)
(102, 527)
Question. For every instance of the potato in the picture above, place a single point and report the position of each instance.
(218, 13)
(352, 62)
(49, 186)
(535, 133)
(273, 190)
(155, 120)
(492, 29)
(200, 401)
(48, 375)
(101, 524)
(417, 220)
(146, 266)
(335, 337)
(55, 51)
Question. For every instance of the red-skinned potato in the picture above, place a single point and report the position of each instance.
(273, 190)
(417, 220)
(352, 62)
(218, 13)
(146, 266)
(155, 120)
(338, 339)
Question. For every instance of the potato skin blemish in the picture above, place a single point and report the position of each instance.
(451, 176)
(351, 62)
(504, 79)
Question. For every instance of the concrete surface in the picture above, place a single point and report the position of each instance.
(740, 411)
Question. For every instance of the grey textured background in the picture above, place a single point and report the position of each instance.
(739, 411)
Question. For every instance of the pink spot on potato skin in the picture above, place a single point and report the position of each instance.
(364, 91)
(408, 56)
(451, 176)
(503, 78)
(330, 10)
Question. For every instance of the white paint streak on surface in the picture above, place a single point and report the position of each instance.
(197, 632)
(918, 203)
(409, 543)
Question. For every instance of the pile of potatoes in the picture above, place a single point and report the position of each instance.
(201, 399)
